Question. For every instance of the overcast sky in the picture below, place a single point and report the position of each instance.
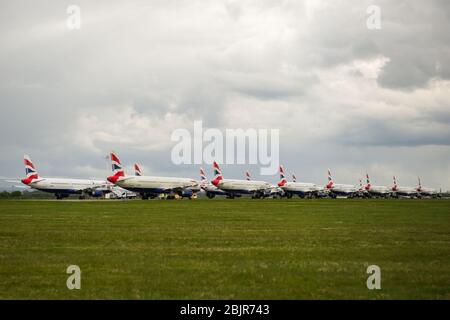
(343, 96)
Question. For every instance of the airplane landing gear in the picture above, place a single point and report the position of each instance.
(258, 195)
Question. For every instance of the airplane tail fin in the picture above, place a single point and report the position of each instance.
(368, 185)
(30, 170)
(394, 187)
(294, 178)
(248, 176)
(203, 175)
(137, 170)
(330, 180)
(217, 174)
(203, 178)
(283, 180)
(117, 168)
(419, 188)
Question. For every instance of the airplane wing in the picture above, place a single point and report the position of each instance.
(12, 181)
(21, 187)
(16, 183)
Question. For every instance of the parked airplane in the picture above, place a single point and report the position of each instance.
(190, 192)
(272, 192)
(210, 189)
(427, 192)
(62, 187)
(404, 191)
(148, 186)
(347, 190)
(236, 188)
(296, 188)
(377, 191)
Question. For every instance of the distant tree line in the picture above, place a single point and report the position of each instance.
(10, 195)
(446, 194)
(25, 195)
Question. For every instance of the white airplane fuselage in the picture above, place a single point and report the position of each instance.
(300, 188)
(343, 189)
(230, 186)
(155, 185)
(66, 186)
(405, 191)
(378, 190)
(427, 192)
(211, 188)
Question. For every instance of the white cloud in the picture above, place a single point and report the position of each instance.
(125, 126)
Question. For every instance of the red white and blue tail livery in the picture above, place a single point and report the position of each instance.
(330, 180)
(283, 179)
(117, 169)
(30, 171)
(210, 189)
(203, 178)
(137, 170)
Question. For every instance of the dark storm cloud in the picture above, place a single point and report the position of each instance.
(385, 133)
(417, 42)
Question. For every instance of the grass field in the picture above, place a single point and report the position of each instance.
(225, 249)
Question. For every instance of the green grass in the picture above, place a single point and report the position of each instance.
(225, 249)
